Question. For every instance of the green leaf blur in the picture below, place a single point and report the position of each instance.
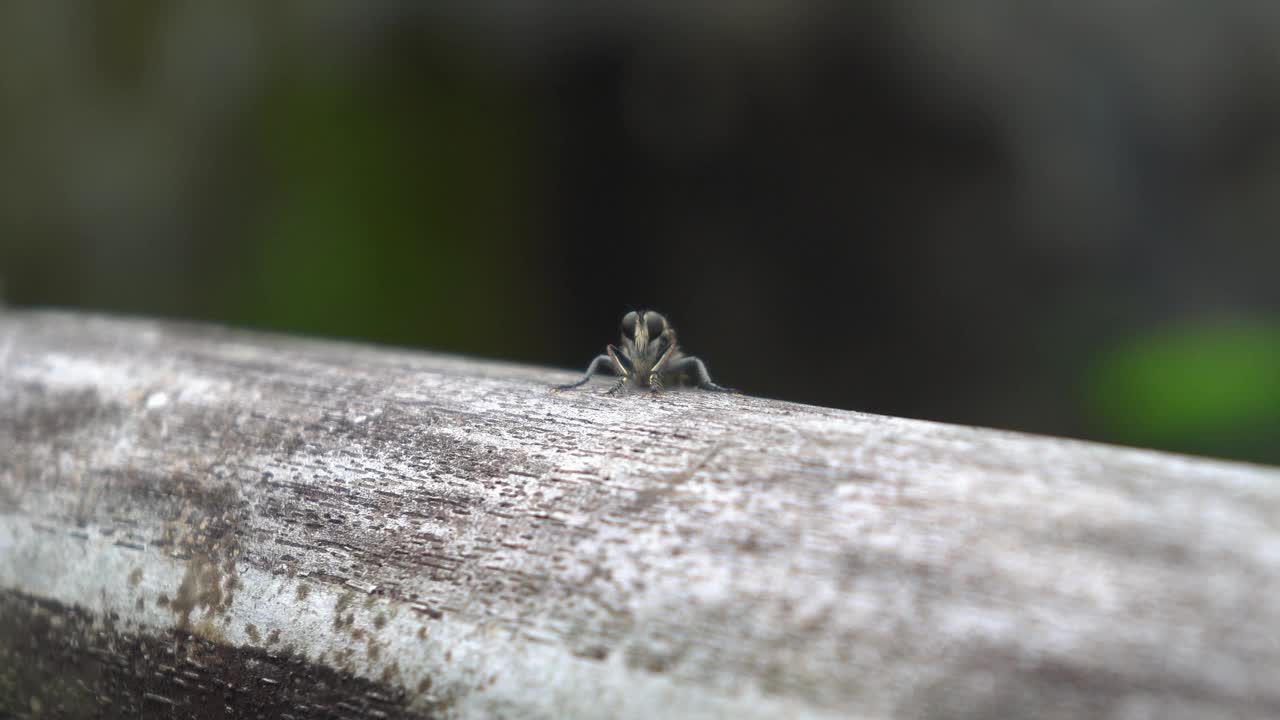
(1212, 390)
(389, 215)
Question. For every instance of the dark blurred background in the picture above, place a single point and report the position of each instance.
(1052, 217)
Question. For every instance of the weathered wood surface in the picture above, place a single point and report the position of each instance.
(199, 522)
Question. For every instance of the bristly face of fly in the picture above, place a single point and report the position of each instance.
(648, 346)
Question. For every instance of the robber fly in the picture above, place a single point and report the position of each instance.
(648, 358)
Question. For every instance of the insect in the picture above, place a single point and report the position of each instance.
(648, 357)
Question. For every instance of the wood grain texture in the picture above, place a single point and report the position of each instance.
(209, 522)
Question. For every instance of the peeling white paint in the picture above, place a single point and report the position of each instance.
(539, 679)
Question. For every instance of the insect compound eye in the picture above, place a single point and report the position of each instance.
(629, 324)
(656, 323)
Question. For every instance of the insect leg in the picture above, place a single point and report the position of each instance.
(698, 370)
(592, 369)
(621, 361)
(655, 383)
(660, 366)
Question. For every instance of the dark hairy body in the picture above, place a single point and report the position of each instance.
(648, 358)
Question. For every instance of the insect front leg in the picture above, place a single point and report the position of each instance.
(655, 383)
(601, 361)
(698, 370)
(660, 367)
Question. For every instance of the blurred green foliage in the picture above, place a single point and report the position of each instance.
(391, 215)
(1211, 389)
(390, 174)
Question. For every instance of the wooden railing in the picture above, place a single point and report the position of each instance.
(203, 522)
